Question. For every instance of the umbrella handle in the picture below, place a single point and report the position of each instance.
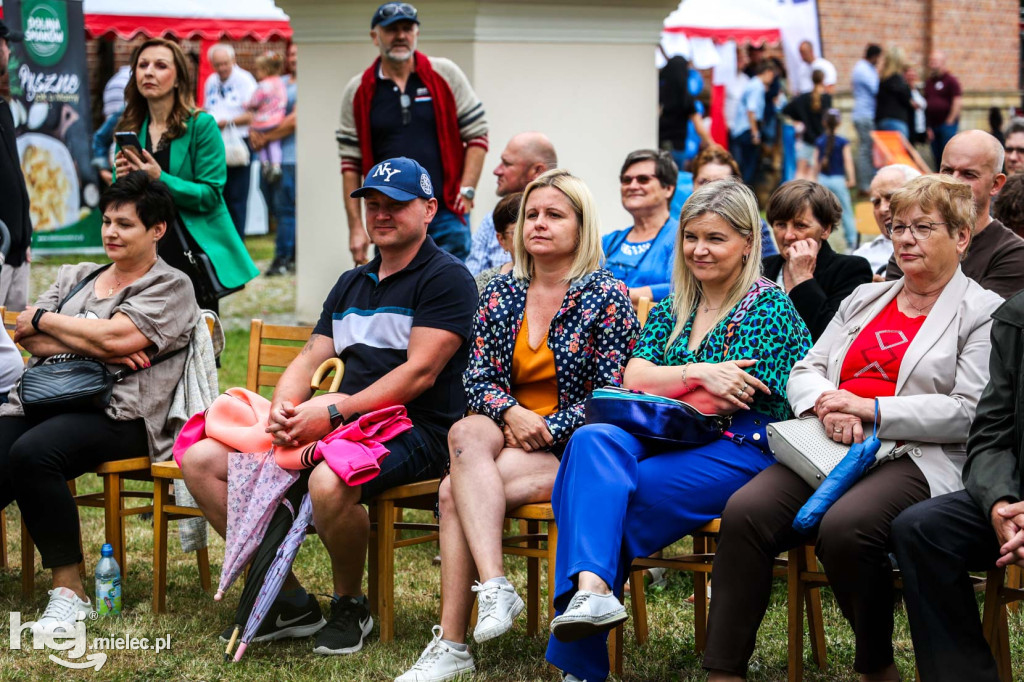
(241, 650)
(231, 643)
(325, 369)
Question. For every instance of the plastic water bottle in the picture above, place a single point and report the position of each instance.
(108, 583)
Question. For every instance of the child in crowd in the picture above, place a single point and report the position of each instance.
(834, 161)
(268, 106)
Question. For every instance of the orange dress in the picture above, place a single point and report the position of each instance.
(533, 383)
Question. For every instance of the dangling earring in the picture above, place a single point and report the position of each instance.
(744, 259)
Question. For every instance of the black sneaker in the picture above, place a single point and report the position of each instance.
(348, 626)
(285, 620)
(276, 269)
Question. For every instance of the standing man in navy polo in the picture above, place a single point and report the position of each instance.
(400, 323)
(409, 104)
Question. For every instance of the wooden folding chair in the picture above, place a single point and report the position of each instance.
(1002, 588)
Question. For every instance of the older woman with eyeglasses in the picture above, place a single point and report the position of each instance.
(918, 348)
(641, 255)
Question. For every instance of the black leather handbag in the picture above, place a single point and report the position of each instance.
(68, 382)
(184, 253)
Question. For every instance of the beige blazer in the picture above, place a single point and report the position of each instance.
(940, 380)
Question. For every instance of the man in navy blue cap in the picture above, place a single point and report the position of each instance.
(401, 324)
(14, 202)
(409, 104)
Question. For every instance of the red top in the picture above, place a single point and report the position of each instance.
(873, 362)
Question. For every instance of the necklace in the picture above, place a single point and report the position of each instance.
(117, 284)
(906, 295)
(707, 308)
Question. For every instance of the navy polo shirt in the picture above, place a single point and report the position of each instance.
(392, 137)
(371, 321)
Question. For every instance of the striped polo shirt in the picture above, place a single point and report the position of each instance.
(371, 321)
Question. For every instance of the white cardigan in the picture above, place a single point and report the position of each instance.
(940, 380)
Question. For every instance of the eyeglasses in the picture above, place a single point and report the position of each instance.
(921, 231)
(1014, 150)
(627, 180)
(397, 8)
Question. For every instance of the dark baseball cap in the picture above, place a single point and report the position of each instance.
(9, 35)
(400, 178)
(390, 12)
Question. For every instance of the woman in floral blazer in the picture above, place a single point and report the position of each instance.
(546, 335)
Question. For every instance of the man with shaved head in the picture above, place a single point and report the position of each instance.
(995, 259)
(886, 181)
(526, 156)
(944, 97)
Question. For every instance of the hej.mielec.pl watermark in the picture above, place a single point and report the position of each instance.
(75, 642)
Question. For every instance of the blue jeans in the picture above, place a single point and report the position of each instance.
(613, 504)
(895, 124)
(450, 233)
(236, 194)
(864, 160)
(282, 199)
(942, 135)
(837, 183)
(747, 155)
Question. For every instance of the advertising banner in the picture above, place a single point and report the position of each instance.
(50, 104)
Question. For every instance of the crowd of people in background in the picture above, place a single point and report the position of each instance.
(493, 340)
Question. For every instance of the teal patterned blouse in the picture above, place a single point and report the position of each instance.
(764, 326)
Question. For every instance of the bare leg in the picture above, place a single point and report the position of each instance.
(478, 491)
(592, 583)
(69, 577)
(343, 526)
(457, 568)
(205, 467)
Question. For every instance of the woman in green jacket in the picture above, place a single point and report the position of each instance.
(183, 148)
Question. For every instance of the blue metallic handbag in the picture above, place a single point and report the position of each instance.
(654, 419)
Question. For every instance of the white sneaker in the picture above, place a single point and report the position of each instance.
(62, 612)
(438, 662)
(569, 677)
(498, 605)
(588, 614)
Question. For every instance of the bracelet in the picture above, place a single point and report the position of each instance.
(686, 386)
(36, 318)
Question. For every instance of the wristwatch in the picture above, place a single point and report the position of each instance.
(468, 192)
(336, 418)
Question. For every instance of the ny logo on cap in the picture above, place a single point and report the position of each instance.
(385, 169)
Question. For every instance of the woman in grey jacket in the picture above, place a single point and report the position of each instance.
(920, 348)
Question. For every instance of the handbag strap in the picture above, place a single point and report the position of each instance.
(81, 285)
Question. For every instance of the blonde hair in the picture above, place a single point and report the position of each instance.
(940, 194)
(894, 62)
(588, 238)
(270, 63)
(734, 203)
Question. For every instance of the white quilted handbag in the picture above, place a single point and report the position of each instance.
(803, 446)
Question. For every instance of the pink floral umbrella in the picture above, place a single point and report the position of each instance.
(256, 486)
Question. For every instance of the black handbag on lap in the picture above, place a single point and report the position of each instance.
(68, 382)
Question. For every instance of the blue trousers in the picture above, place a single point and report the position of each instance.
(747, 155)
(236, 194)
(837, 183)
(450, 233)
(284, 211)
(943, 133)
(616, 499)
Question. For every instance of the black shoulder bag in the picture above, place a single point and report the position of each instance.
(69, 382)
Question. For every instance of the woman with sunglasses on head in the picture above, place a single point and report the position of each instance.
(918, 348)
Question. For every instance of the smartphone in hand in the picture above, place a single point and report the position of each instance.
(128, 140)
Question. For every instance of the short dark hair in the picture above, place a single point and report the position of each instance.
(506, 213)
(790, 200)
(1016, 125)
(872, 52)
(151, 198)
(665, 168)
(1009, 204)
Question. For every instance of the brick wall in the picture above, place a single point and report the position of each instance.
(980, 37)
